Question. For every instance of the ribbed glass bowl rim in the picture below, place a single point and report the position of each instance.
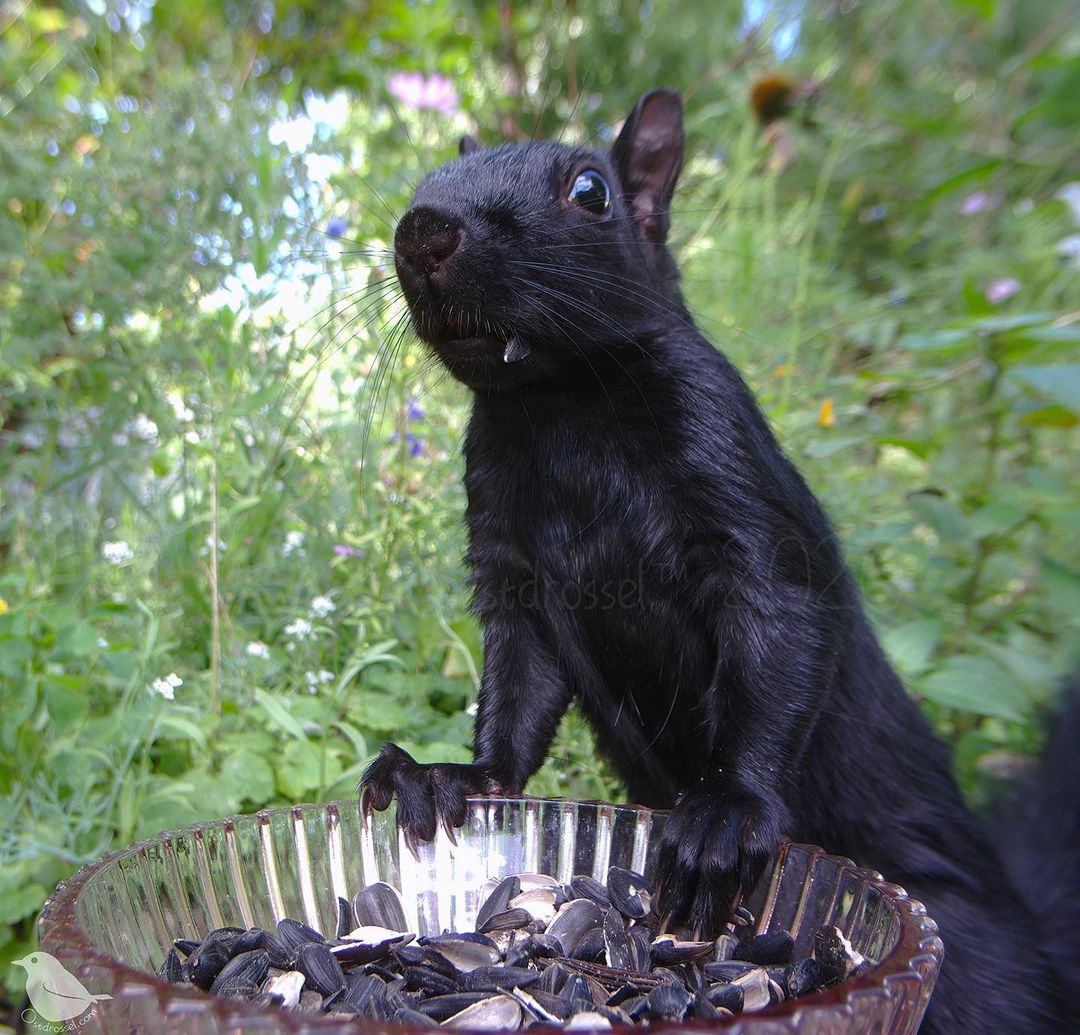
(62, 935)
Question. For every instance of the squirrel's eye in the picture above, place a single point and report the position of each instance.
(591, 192)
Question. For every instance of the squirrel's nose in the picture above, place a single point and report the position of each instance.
(423, 242)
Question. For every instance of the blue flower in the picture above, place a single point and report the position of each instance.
(336, 227)
(416, 445)
(414, 412)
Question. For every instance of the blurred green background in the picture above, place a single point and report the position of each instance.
(230, 531)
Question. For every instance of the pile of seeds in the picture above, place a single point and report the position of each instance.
(581, 955)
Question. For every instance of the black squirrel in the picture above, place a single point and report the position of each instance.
(640, 543)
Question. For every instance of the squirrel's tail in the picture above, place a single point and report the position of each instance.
(1039, 831)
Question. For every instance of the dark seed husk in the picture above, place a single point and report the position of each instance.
(668, 1002)
(495, 979)
(631, 894)
(379, 905)
(729, 970)
(406, 1015)
(507, 920)
(243, 970)
(294, 934)
(573, 922)
(616, 941)
(424, 979)
(498, 901)
(208, 960)
(584, 886)
(248, 941)
(591, 947)
(544, 1006)
(346, 920)
(704, 1010)
(185, 946)
(319, 966)
(667, 952)
(836, 957)
(726, 996)
(802, 977)
(763, 949)
(360, 988)
(640, 950)
(172, 969)
(464, 955)
(576, 989)
(440, 1007)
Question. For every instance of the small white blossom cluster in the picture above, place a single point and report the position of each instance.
(139, 429)
(117, 552)
(204, 550)
(299, 629)
(166, 686)
(184, 413)
(294, 542)
(258, 649)
(321, 607)
(316, 679)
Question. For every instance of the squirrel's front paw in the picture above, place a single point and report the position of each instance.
(714, 845)
(426, 794)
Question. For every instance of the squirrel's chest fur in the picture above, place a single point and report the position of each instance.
(582, 520)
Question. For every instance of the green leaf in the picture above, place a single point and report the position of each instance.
(15, 655)
(20, 902)
(185, 729)
(78, 639)
(280, 715)
(909, 646)
(940, 514)
(250, 776)
(66, 707)
(1060, 381)
(378, 712)
(299, 773)
(976, 685)
(939, 341)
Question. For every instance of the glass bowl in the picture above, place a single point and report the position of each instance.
(112, 923)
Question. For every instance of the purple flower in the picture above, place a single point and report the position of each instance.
(980, 201)
(433, 93)
(1001, 289)
(416, 444)
(414, 412)
(336, 227)
(347, 551)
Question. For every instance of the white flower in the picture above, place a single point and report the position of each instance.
(142, 428)
(103, 644)
(184, 413)
(117, 552)
(167, 685)
(316, 679)
(204, 550)
(258, 649)
(293, 541)
(299, 629)
(321, 607)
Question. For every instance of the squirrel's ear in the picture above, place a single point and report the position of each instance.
(467, 144)
(648, 156)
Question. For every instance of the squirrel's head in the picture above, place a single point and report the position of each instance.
(527, 262)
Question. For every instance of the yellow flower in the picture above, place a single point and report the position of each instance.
(827, 416)
(4, 606)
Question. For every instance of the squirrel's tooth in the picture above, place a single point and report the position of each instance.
(515, 351)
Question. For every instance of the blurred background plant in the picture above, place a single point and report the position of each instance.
(230, 540)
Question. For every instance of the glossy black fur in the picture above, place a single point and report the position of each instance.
(639, 543)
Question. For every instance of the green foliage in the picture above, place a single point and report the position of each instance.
(224, 460)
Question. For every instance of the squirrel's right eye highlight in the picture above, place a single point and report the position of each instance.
(591, 192)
